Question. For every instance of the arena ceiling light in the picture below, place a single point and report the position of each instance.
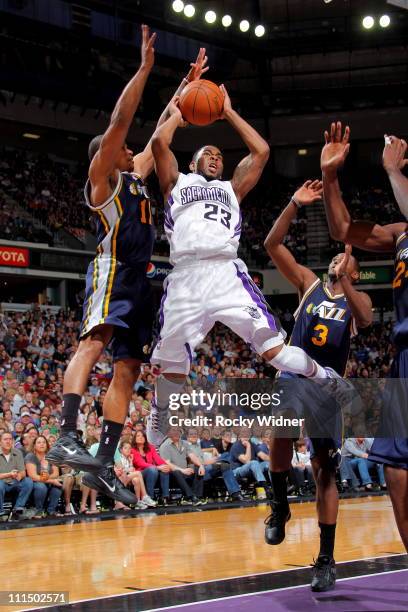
(31, 136)
(385, 21)
(189, 10)
(210, 17)
(259, 31)
(302, 152)
(368, 22)
(226, 21)
(244, 25)
(178, 6)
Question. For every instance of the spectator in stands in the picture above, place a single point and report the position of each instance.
(205, 438)
(176, 454)
(263, 450)
(302, 467)
(355, 453)
(224, 444)
(127, 473)
(153, 468)
(13, 478)
(214, 466)
(47, 485)
(244, 460)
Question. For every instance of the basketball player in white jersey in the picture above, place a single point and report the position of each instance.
(209, 283)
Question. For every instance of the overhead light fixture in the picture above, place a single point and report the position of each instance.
(302, 151)
(244, 25)
(178, 6)
(189, 10)
(327, 1)
(368, 22)
(74, 138)
(31, 136)
(226, 21)
(210, 17)
(385, 21)
(259, 31)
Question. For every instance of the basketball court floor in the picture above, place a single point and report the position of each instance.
(209, 560)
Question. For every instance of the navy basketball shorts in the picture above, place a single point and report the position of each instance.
(322, 415)
(394, 450)
(119, 295)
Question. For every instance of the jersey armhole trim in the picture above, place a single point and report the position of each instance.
(305, 296)
(401, 237)
(109, 200)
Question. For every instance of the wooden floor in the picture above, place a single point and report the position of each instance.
(108, 557)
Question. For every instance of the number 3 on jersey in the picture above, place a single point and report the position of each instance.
(321, 338)
(213, 211)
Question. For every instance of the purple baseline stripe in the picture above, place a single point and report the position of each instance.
(387, 592)
(161, 311)
(255, 298)
(189, 353)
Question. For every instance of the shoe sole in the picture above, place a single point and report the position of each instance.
(328, 588)
(97, 486)
(78, 465)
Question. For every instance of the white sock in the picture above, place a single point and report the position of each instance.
(165, 388)
(294, 359)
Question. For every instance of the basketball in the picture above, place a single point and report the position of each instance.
(201, 102)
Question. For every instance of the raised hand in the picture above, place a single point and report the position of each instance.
(394, 153)
(147, 47)
(174, 109)
(341, 267)
(309, 192)
(199, 67)
(336, 148)
(227, 102)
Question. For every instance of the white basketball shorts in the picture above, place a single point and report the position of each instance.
(197, 296)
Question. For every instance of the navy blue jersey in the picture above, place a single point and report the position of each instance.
(324, 326)
(124, 222)
(400, 287)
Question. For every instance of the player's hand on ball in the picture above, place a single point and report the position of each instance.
(336, 148)
(199, 67)
(227, 102)
(147, 47)
(341, 267)
(309, 192)
(394, 153)
(175, 110)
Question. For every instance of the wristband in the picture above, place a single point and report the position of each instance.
(296, 203)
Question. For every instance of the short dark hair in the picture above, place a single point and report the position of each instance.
(94, 145)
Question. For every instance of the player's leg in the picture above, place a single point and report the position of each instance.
(183, 325)
(280, 453)
(115, 409)
(327, 505)
(69, 448)
(397, 484)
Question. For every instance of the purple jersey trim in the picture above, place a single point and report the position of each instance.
(249, 287)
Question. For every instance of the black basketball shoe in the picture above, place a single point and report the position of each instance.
(276, 522)
(70, 450)
(106, 482)
(324, 574)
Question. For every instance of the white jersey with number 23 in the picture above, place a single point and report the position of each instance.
(202, 220)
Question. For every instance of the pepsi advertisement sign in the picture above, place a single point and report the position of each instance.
(158, 270)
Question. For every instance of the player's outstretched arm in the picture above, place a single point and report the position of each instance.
(393, 162)
(103, 164)
(359, 301)
(249, 169)
(164, 159)
(298, 275)
(365, 235)
(143, 163)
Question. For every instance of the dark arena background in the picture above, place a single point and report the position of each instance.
(291, 68)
